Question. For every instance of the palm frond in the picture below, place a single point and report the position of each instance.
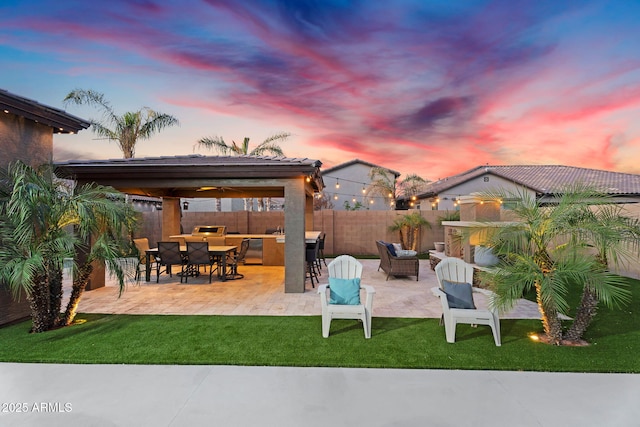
(215, 143)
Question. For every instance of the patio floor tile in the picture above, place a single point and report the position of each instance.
(261, 292)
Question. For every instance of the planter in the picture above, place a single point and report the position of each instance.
(439, 246)
(484, 257)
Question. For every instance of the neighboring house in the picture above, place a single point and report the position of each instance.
(346, 185)
(541, 181)
(26, 133)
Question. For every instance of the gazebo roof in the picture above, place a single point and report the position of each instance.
(195, 175)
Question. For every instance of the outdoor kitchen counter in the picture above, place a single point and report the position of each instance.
(272, 251)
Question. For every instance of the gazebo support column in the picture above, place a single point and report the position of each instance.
(170, 217)
(294, 246)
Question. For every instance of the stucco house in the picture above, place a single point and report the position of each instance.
(541, 181)
(26, 133)
(348, 183)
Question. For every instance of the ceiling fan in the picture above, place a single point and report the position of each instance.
(222, 189)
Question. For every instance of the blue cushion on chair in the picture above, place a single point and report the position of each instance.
(344, 291)
(459, 295)
(392, 249)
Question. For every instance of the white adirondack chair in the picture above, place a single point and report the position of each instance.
(456, 270)
(346, 267)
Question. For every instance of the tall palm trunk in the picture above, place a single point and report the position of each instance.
(415, 231)
(55, 296)
(79, 284)
(550, 321)
(588, 307)
(403, 239)
(548, 310)
(586, 312)
(39, 303)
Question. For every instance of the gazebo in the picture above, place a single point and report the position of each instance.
(194, 176)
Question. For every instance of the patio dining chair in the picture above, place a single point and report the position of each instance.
(343, 299)
(455, 278)
(197, 256)
(169, 255)
(234, 260)
(142, 245)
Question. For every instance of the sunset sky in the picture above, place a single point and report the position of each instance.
(418, 86)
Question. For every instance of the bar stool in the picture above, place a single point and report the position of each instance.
(321, 251)
(311, 257)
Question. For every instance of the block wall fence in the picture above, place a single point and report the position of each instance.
(348, 232)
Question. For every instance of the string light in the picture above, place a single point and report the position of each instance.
(365, 188)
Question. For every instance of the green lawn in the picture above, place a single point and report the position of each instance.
(297, 341)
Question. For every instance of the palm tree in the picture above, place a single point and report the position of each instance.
(268, 146)
(547, 250)
(386, 186)
(409, 227)
(411, 185)
(615, 238)
(43, 221)
(126, 129)
(382, 184)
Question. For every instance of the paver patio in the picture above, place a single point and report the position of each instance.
(261, 292)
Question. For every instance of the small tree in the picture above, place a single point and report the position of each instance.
(44, 221)
(356, 206)
(549, 249)
(409, 227)
(322, 202)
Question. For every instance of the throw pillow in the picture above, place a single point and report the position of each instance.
(392, 250)
(459, 295)
(397, 247)
(344, 291)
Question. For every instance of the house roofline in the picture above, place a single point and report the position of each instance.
(57, 119)
(356, 161)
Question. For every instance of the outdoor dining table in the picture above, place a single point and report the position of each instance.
(220, 252)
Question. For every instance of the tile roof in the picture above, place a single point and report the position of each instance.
(196, 160)
(545, 179)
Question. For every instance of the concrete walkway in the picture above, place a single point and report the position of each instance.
(155, 396)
